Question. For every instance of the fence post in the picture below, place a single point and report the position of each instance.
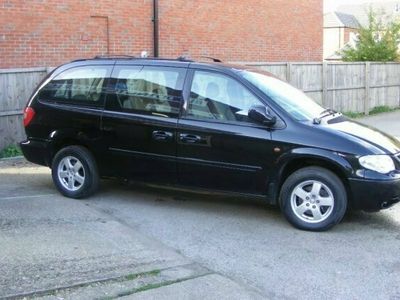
(367, 87)
(324, 84)
(289, 72)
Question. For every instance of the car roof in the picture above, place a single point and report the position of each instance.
(182, 62)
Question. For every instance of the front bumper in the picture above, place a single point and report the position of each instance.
(37, 151)
(374, 195)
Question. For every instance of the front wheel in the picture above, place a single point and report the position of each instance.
(74, 172)
(313, 198)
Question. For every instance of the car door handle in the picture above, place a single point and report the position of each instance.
(190, 138)
(160, 135)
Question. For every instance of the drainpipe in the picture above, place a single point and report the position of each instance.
(155, 28)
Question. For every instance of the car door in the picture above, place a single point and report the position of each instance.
(140, 120)
(218, 146)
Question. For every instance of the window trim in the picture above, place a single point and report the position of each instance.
(186, 95)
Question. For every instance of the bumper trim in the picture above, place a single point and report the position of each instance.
(36, 151)
(374, 195)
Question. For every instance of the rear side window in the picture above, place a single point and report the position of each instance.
(147, 90)
(82, 85)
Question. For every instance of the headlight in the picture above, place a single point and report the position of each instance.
(379, 163)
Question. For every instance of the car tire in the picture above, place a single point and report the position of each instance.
(314, 199)
(74, 172)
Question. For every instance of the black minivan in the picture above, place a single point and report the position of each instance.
(208, 126)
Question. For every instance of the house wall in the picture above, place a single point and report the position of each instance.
(237, 30)
(348, 32)
(333, 39)
(50, 32)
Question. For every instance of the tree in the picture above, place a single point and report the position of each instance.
(377, 41)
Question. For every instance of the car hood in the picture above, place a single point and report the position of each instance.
(370, 137)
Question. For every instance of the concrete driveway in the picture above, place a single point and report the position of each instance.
(387, 122)
(233, 246)
(53, 247)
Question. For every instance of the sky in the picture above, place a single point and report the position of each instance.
(331, 5)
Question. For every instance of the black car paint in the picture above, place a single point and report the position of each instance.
(243, 158)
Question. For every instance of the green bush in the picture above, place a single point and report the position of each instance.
(377, 41)
(376, 110)
(10, 151)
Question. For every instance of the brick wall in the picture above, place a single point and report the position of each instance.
(252, 30)
(50, 32)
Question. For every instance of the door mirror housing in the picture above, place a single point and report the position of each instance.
(260, 114)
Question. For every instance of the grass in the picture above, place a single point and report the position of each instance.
(128, 277)
(10, 151)
(376, 110)
(353, 115)
(382, 109)
(150, 286)
(134, 276)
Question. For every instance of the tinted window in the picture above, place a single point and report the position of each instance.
(219, 97)
(147, 90)
(77, 85)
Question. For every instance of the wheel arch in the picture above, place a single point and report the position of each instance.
(302, 158)
(61, 139)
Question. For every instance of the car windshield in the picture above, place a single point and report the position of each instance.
(295, 102)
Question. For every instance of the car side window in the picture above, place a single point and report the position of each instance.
(147, 90)
(219, 97)
(77, 85)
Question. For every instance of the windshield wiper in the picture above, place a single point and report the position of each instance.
(323, 114)
(327, 112)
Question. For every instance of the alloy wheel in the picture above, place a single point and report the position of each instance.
(312, 201)
(71, 173)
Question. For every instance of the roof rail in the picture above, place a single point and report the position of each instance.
(114, 56)
(212, 58)
(79, 59)
(117, 56)
(184, 58)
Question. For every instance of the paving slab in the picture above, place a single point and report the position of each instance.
(128, 285)
(49, 241)
(213, 286)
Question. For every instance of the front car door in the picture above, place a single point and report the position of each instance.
(218, 146)
(140, 120)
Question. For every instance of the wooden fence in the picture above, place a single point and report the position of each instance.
(16, 86)
(346, 87)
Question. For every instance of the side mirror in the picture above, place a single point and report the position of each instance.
(259, 114)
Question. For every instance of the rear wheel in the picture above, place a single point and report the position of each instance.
(313, 198)
(74, 172)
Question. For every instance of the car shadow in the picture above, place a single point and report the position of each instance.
(21, 181)
(235, 205)
(385, 219)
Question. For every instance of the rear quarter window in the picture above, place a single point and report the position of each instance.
(80, 85)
